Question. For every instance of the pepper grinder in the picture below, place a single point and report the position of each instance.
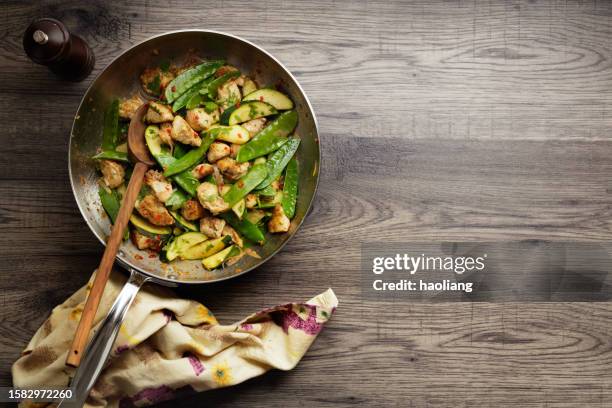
(48, 42)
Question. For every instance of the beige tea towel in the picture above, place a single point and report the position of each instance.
(169, 347)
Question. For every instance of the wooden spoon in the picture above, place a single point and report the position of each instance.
(139, 153)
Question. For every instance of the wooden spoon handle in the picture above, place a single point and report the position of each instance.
(106, 264)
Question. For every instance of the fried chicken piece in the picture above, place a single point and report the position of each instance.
(231, 169)
(254, 126)
(200, 120)
(192, 210)
(202, 170)
(165, 134)
(279, 222)
(216, 151)
(159, 184)
(155, 80)
(144, 242)
(212, 227)
(128, 107)
(208, 196)
(154, 211)
(113, 173)
(182, 132)
(158, 113)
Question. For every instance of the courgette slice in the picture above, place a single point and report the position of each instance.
(249, 86)
(214, 261)
(206, 248)
(231, 134)
(182, 243)
(146, 226)
(188, 225)
(239, 208)
(247, 111)
(160, 152)
(275, 98)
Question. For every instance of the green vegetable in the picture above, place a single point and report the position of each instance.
(188, 225)
(146, 226)
(187, 182)
(275, 98)
(245, 184)
(217, 259)
(110, 132)
(278, 161)
(267, 191)
(176, 200)
(248, 87)
(185, 99)
(155, 85)
(182, 243)
(159, 151)
(210, 106)
(194, 101)
(192, 157)
(112, 155)
(179, 150)
(231, 134)
(111, 202)
(247, 111)
(214, 85)
(290, 188)
(189, 78)
(277, 199)
(255, 216)
(239, 208)
(206, 248)
(268, 139)
(249, 230)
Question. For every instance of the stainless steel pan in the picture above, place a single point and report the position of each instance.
(120, 79)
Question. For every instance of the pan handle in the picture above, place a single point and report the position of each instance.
(102, 342)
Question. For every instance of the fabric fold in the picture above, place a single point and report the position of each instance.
(168, 347)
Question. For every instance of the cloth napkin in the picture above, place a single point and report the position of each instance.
(168, 347)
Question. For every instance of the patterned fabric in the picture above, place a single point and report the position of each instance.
(168, 347)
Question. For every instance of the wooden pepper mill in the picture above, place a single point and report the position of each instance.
(48, 42)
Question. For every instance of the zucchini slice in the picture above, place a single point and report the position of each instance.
(206, 248)
(247, 111)
(239, 208)
(249, 86)
(213, 261)
(275, 98)
(180, 220)
(182, 243)
(231, 134)
(146, 226)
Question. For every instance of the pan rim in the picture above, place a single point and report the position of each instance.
(173, 282)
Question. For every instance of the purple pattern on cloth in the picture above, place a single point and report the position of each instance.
(168, 314)
(246, 326)
(196, 364)
(152, 395)
(121, 349)
(288, 318)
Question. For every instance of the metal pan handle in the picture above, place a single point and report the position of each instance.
(102, 342)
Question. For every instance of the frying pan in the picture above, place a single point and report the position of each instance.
(120, 79)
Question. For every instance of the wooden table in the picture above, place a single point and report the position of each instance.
(439, 120)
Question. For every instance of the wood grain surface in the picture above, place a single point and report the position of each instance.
(439, 120)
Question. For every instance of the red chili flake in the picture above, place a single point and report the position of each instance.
(261, 98)
(238, 104)
(196, 117)
(173, 88)
(240, 183)
(152, 255)
(139, 257)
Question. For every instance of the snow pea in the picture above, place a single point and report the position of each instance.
(110, 132)
(290, 188)
(187, 181)
(249, 230)
(111, 202)
(176, 200)
(183, 100)
(267, 191)
(278, 160)
(214, 85)
(112, 155)
(179, 150)
(245, 184)
(189, 78)
(192, 157)
(270, 138)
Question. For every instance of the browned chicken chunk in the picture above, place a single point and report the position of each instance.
(112, 173)
(199, 119)
(159, 184)
(165, 134)
(158, 113)
(128, 107)
(217, 151)
(279, 222)
(182, 132)
(143, 242)
(208, 196)
(212, 227)
(231, 169)
(154, 211)
(202, 170)
(254, 126)
(192, 210)
(155, 80)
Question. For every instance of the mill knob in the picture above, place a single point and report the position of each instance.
(48, 42)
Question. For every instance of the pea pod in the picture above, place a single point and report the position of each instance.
(267, 191)
(214, 85)
(245, 184)
(249, 230)
(290, 188)
(179, 150)
(111, 202)
(190, 158)
(189, 78)
(176, 200)
(187, 182)
(269, 139)
(185, 98)
(112, 155)
(110, 132)
(277, 162)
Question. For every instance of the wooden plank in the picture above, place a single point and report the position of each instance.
(439, 120)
